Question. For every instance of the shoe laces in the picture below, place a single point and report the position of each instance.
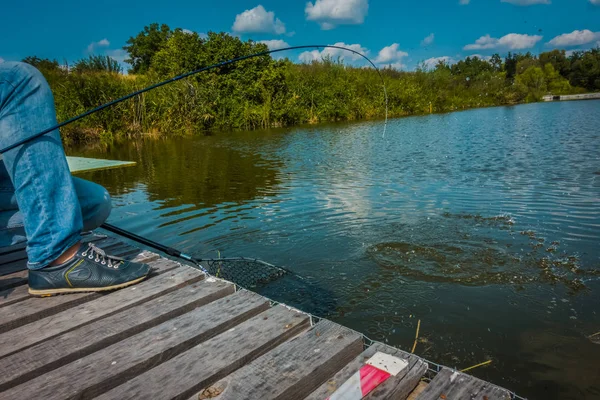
(95, 253)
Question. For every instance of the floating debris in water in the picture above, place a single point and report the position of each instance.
(595, 338)
(479, 257)
(504, 219)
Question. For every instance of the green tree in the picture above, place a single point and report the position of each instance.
(145, 45)
(511, 63)
(555, 82)
(559, 61)
(585, 69)
(181, 53)
(525, 63)
(532, 83)
(496, 62)
(471, 67)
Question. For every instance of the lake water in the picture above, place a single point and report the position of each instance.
(483, 224)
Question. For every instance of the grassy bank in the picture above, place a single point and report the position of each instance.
(263, 92)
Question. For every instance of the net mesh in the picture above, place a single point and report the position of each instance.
(245, 272)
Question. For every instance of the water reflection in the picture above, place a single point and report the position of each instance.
(198, 174)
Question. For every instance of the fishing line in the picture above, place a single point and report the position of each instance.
(194, 72)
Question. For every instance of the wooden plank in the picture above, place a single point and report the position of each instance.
(451, 384)
(407, 384)
(442, 384)
(198, 367)
(395, 387)
(417, 391)
(12, 248)
(12, 256)
(13, 266)
(13, 280)
(146, 257)
(492, 392)
(34, 308)
(98, 372)
(51, 354)
(13, 295)
(294, 369)
(84, 164)
(12, 253)
(45, 328)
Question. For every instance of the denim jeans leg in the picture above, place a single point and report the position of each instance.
(95, 203)
(44, 189)
(94, 200)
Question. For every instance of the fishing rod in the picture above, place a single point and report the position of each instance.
(176, 253)
(278, 271)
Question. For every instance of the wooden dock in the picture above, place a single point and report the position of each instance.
(571, 97)
(183, 335)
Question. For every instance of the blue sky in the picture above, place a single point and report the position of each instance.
(402, 33)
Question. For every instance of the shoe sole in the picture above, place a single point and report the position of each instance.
(50, 292)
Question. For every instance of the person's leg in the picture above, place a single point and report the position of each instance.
(11, 220)
(38, 169)
(94, 201)
(46, 195)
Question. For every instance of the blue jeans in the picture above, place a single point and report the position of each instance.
(38, 196)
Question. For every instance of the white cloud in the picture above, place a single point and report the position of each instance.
(258, 20)
(187, 31)
(101, 43)
(595, 2)
(512, 41)
(515, 41)
(316, 55)
(428, 40)
(464, 2)
(390, 54)
(275, 44)
(118, 55)
(526, 2)
(310, 56)
(330, 13)
(433, 61)
(575, 38)
(484, 42)
(1, 60)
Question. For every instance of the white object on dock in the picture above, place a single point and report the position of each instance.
(376, 370)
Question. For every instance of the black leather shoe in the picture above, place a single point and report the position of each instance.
(90, 270)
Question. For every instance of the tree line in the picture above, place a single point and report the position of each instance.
(264, 92)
